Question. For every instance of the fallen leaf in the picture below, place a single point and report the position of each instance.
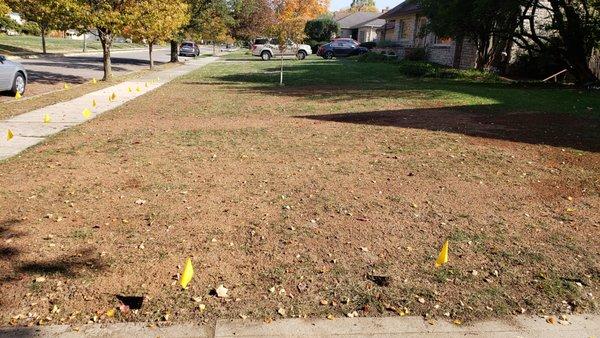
(282, 312)
(221, 291)
(110, 313)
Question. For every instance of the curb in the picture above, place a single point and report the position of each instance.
(521, 326)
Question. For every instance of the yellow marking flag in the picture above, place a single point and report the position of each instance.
(94, 104)
(443, 257)
(113, 96)
(138, 89)
(66, 86)
(9, 135)
(188, 273)
(129, 89)
(47, 118)
(18, 96)
(86, 113)
(94, 81)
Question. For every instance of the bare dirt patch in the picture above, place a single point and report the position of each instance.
(291, 209)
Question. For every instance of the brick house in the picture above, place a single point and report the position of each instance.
(402, 32)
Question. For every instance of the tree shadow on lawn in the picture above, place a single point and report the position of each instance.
(550, 116)
(14, 269)
(534, 128)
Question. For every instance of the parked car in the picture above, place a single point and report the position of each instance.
(13, 77)
(189, 48)
(340, 48)
(267, 48)
(349, 40)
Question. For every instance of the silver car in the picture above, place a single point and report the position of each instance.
(13, 77)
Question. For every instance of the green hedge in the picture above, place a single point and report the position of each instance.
(427, 69)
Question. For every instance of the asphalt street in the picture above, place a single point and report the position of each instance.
(83, 67)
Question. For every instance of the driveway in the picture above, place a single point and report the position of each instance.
(50, 73)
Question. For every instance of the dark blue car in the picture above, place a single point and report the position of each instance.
(340, 48)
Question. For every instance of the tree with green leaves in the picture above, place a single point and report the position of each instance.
(480, 21)
(48, 14)
(210, 21)
(363, 6)
(155, 21)
(108, 18)
(322, 28)
(251, 18)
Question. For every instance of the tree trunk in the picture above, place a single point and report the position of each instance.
(174, 51)
(106, 41)
(281, 72)
(84, 41)
(572, 32)
(150, 55)
(458, 52)
(482, 53)
(498, 56)
(43, 40)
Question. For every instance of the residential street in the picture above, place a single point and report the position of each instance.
(81, 68)
(47, 74)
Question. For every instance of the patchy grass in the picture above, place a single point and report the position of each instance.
(349, 171)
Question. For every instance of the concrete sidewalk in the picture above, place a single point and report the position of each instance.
(29, 129)
(522, 326)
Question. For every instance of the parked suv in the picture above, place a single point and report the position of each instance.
(189, 48)
(267, 48)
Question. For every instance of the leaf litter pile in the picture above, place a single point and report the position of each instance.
(287, 211)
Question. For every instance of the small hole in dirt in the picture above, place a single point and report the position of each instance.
(133, 302)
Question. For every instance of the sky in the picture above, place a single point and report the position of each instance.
(338, 4)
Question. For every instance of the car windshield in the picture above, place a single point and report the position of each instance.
(260, 41)
(187, 45)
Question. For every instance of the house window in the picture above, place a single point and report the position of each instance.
(401, 31)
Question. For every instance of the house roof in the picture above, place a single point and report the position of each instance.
(357, 18)
(407, 7)
(371, 23)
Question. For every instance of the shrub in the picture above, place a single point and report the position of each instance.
(369, 45)
(416, 54)
(417, 69)
(373, 57)
(31, 28)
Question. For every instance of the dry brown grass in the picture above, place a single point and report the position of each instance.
(260, 197)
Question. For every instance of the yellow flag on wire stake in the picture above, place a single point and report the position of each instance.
(188, 273)
(94, 104)
(66, 86)
(18, 96)
(86, 113)
(9, 135)
(94, 81)
(47, 118)
(443, 257)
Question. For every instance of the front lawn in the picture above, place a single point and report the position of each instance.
(326, 197)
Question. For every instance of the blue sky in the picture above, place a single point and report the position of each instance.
(337, 4)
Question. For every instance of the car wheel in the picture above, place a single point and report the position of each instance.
(266, 56)
(329, 55)
(19, 84)
(301, 55)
